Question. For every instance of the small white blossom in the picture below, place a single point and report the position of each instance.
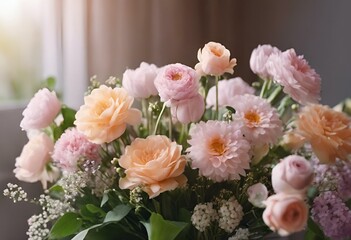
(230, 215)
(240, 234)
(15, 193)
(203, 215)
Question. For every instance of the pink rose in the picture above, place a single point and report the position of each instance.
(31, 165)
(189, 110)
(41, 110)
(299, 80)
(228, 89)
(285, 213)
(257, 194)
(259, 57)
(177, 82)
(214, 59)
(139, 83)
(292, 175)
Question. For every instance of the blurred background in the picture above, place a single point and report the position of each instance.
(74, 40)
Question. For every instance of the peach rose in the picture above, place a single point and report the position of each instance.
(105, 114)
(214, 59)
(285, 213)
(327, 130)
(32, 164)
(292, 175)
(44, 104)
(154, 163)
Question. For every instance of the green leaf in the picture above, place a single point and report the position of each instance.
(65, 226)
(231, 109)
(312, 226)
(50, 83)
(56, 191)
(95, 210)
(159, 228)
(68, 115)
(104, 199)
(116, 214)
(82, 234)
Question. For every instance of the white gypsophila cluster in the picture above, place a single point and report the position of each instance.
(73, 183)
(240, 234)
(52, 209)
(136, 196)
(203, 215)
(230, 215)
(15, 193)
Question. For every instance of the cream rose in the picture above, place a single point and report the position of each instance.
(105, 114)
(32, 164)
(285, 213)
(292, 174)
(257, 193)
(327, 130)
(154, 163)
(214, 59)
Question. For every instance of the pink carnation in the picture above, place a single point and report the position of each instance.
(41, 110)
(228, 89)
(219, 150)
(259, 57)
(139, 83)
(298, 79)
(73, 147)
(177, 82)
(261, 120)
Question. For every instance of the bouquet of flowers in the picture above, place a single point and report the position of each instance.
(197, 155)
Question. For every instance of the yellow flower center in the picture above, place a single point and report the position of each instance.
(176, 76)
(252, 117)
(217, 146)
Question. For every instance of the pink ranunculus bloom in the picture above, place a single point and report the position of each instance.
(293, 175)
(176, 82)
(228, 89)
(139, 83)
(189, 110)
(285, 213)
(73, 147)
(105, 114)
(214, 59)
(31, 165)
(155, 164)
(261, 121)
(258, 60)
(41, 110)
(299, 80)
(219, 150)
(257, 193)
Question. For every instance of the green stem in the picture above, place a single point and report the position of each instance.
(217, 111)
(146, 114)
(274, 94)
(159, 118)
(170, 124)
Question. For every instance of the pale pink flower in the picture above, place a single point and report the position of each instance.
(34, 162)
(299, 80)
(155, 164)
(177, 82)
(189, 110)
(285, 213)
(219, 150)
(73, 147)
(41, 110)
(214, 59)
(258, 60)
(293, 174)
(228, 89)
(139, 83)
(105, 114)
(257, 193)
(261, 120)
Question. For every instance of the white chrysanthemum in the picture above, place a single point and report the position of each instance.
(230, 215)
(261, 120)
(203, 215)
(219, 150)
(240, 234)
